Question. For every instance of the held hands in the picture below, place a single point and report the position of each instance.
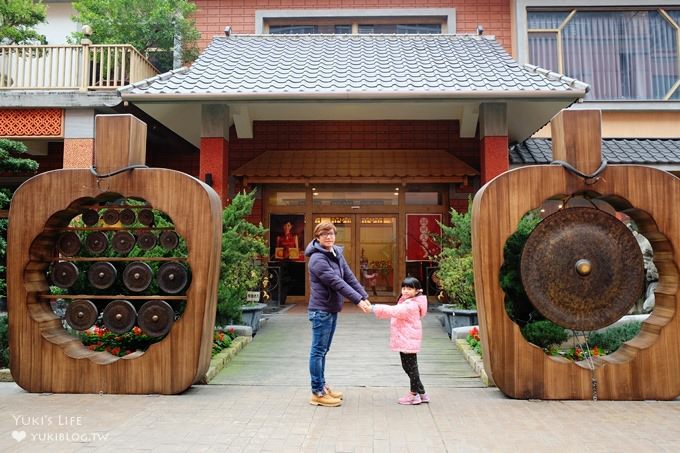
(365, 306)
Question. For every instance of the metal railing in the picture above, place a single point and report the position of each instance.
(72, 67)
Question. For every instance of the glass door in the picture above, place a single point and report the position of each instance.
(370, 248)
(377, 250)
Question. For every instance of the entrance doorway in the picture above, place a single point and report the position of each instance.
(370, 248)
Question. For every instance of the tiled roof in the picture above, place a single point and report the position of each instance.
(381, 165)
(355, 67)
(616, 151)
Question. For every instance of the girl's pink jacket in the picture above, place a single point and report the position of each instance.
(406, 330)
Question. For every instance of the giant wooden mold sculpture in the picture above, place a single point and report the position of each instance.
(116, 201)
(582, 269)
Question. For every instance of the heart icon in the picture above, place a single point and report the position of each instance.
(19, 435)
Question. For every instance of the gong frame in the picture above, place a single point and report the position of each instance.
(646, 367)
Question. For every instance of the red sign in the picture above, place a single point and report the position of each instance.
(420, 245)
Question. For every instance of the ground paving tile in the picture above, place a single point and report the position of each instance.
(259, 403)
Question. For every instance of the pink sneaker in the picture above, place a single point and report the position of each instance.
(424, 398)
(410, 399)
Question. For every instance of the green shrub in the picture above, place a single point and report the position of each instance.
(243, 244)
(457, 279)
(455, 272)
(611, 339)
(517, 303)
(544, 333)
(4, 342)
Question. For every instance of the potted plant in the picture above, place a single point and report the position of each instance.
(455, 273)
(243, 243)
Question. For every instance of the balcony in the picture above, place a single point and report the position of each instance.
(84, 68)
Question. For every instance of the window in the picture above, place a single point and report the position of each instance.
(414, 29)
(623, 55)
(348, 21)
(293, 29)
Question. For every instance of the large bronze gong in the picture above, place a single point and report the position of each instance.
(582, 268)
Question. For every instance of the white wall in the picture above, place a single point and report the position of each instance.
(59, 24)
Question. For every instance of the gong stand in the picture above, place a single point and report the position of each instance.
(581, 268)
(43, 248)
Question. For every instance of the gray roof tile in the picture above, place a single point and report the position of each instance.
(355, 64)
(616, 151)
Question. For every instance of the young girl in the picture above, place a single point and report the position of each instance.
(406, 333)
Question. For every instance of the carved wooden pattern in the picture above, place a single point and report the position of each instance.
(646, 367)
(44, 357)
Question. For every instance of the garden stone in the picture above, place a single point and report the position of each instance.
(460, 332)
(239, 330)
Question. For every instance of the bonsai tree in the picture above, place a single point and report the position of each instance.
(10, 162)
(243, 243)
(455, 271)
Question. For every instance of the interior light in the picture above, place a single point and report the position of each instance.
(396, 194)
(315, 193)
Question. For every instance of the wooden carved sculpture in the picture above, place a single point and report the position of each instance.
(582, 269)
(112, 207)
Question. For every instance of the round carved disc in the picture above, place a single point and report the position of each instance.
(96, 242)
(146, 217)
(172, 277)
(147, 240)
(156, 318)
(169, 239)
(64, 274)
(127, 216)
(90, 217)
(111, 216)
(68, 243)
(102, 275)
(137, 276)
(81, 314)
(123, 241)
(582, 268)
(119, 316)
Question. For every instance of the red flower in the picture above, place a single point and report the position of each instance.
(115, 351)
(136, 330)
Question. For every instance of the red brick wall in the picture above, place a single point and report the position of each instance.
(213, 15)
(301, 135)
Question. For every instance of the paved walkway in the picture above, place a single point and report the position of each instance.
(259, 404)
(359, 355)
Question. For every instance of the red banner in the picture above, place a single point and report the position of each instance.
(420, 245)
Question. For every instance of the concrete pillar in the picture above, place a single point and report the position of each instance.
(78, 138)
(493, 134)
(214, 157)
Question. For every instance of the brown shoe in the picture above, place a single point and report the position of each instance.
(337, 395)
(324, 400)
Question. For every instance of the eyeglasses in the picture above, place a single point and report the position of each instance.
(327, 235)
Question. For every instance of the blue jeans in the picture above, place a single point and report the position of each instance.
(323, 328)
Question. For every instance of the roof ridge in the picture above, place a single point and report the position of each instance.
(147, 82)
(357, 35)
(551, 75)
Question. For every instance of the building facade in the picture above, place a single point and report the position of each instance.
(379, 118)
(382, 116)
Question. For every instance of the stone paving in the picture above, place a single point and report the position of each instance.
(259, 403)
